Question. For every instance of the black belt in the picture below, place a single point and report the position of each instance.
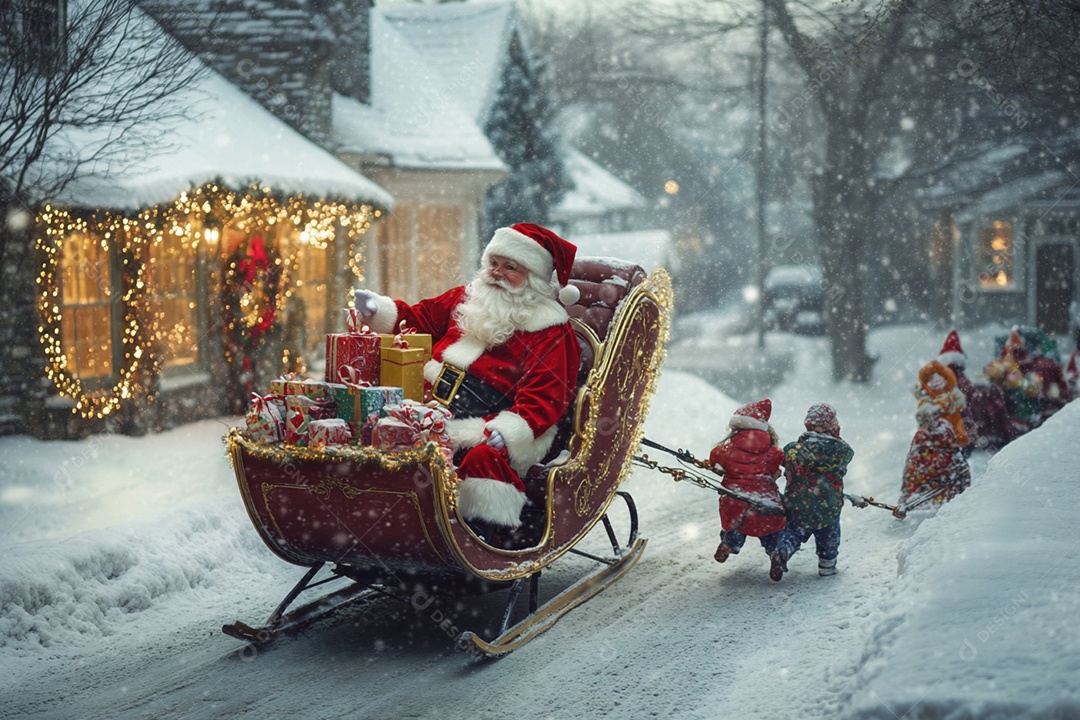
(467, 395)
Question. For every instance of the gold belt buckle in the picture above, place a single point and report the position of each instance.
(455, 384)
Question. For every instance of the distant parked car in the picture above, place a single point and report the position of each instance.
(795, 299)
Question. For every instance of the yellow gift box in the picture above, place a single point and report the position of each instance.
(415, 340)
(404, 368)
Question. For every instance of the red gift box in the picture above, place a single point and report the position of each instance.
(359, 348)
(265, 422)
(300, 410)
(411, 424)
(326, 433)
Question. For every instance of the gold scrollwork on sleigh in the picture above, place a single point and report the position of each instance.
(620, 389)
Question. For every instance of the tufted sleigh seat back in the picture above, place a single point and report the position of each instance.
(603, 283)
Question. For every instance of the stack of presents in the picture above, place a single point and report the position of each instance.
(373, 394)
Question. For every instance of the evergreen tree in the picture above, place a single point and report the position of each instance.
(520, 128)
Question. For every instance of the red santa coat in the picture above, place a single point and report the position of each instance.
(751, 464)
(536, 369)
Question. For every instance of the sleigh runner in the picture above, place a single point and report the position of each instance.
(388, 523)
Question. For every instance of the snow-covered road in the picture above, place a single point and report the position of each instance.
(118, 617)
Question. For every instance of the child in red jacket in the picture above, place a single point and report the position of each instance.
(750, 462)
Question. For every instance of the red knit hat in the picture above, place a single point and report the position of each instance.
(754, 416)
(951, 353)
(822, 417)
(541, 251)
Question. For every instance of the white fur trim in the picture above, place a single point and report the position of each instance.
(547, 314)
(490, 500)
(953, 358)
(431, 370)
(385, 319)
(569, 295)
(466, 432)
(745, 422)
(464, 352)
(512, 244)
(524, 448)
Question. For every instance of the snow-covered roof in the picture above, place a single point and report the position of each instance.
(224, 135)
(414, 116)
(1010, 195)
(959, 182)
(466, 42)
(647, 248)
(595, 191)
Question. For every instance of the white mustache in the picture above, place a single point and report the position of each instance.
(504, 284)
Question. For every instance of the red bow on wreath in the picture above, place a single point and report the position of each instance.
(255, 261)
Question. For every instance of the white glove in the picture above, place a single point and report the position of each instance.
(495, 440)
(366, 303)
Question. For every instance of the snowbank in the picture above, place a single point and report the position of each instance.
(982, 621)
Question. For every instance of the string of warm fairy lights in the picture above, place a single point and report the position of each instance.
(198, 216)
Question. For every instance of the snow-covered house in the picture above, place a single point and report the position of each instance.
(167, 291)
(1005, 239)
(470, 62)
(421, 98)
(416, 137)
(597, 201)
(1019, 251)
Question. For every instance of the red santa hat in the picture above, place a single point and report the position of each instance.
(541, 251)
(754, 416)
(951, 352)
(1014, 347)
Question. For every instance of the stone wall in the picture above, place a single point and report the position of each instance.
(22, 360)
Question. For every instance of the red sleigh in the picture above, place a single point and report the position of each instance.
(387, 523)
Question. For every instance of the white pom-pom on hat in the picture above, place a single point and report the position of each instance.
(569, 294)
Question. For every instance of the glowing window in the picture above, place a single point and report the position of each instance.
(86, 307)
(996, 256)
(312, 293)
(438, 249)
(173, 300)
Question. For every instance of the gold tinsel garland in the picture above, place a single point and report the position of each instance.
(426, 455)
(190, 217)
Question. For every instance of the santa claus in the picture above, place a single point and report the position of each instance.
(504, 361)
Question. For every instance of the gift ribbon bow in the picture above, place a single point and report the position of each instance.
(350, 376)
(427, 424)
(399, 341)
(353, 324)
(288, 377)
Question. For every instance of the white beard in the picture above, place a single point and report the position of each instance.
(494, 310)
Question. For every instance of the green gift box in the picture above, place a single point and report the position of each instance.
(372, 399)
(355, 403)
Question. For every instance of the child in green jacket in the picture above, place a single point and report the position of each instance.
(814, 466)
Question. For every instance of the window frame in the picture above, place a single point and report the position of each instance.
(198, 318)
(982, 257)
(112, 300)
